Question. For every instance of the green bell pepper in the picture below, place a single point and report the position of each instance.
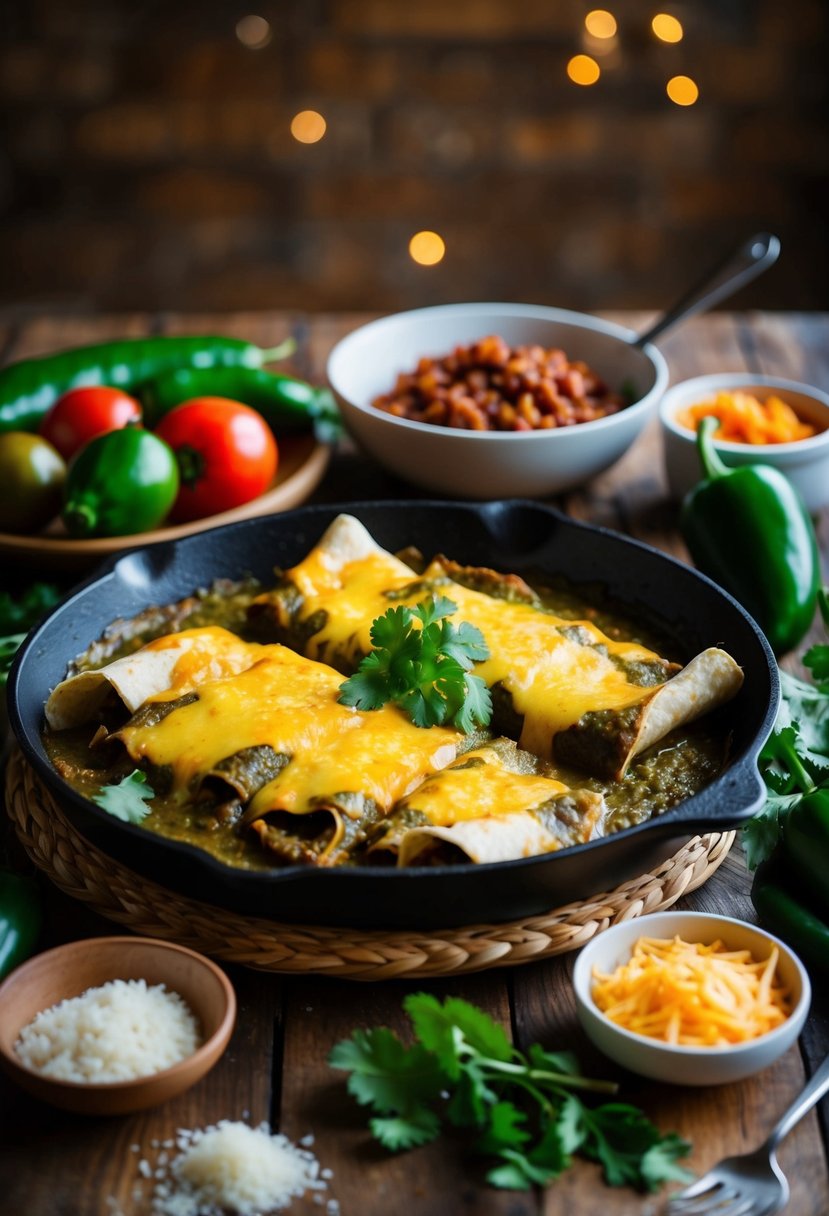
(747, 529)
(20, 919)
(123, 482)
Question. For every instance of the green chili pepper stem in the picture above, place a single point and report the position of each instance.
(274, 354)
(712, 465)
(79, 518)
(190, 465)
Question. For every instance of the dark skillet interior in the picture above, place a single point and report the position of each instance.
(510, 536)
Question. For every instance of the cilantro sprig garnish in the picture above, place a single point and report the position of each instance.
(523, 1108)
(421, 662)
(795, 759)
(126, 799)
(17, 615)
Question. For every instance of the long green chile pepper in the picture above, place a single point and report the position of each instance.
(747, 528)
(20, 919)
(30, 387)
(781, 910)
(288, 405)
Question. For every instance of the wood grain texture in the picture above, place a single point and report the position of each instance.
(52, 1164)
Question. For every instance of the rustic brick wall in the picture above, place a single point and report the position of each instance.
(148, 160)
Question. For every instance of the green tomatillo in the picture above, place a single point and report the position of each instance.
(121, 483)
(748, 529)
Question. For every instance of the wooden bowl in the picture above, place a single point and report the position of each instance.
(69, 970)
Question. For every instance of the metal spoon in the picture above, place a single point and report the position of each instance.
(753, 257)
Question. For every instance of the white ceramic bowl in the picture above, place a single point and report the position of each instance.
(687, 1065)
(805, 463)
(491, 464)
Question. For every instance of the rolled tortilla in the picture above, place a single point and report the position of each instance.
(491, 805)
(175, 663)
(552, 678)
(605, 742)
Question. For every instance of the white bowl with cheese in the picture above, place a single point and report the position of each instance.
(677, 1063)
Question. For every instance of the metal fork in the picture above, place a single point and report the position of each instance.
(753, 1184)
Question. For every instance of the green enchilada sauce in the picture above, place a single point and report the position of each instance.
(677, 767)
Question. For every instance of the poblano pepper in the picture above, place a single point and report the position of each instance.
(747, 529)
(20, 919)
(775, 894)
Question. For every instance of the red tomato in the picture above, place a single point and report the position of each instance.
(83, 413)
(226, 453)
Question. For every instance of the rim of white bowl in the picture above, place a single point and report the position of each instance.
(582, 987)
(536, 312)
(733, 380)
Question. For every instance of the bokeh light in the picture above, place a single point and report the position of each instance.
(682, 90)
(582, 69)
(308, 127)
(600, 23)
(667, 28)
(427, 248)
(253, 32)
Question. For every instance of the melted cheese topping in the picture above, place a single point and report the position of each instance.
(693, 995)
(290, 704)
(553, 678)
(208, 653)
(480, 791)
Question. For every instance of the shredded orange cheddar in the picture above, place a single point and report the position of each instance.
(693, 995)
(745, 419)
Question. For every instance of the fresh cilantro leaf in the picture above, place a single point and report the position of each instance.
(385, 1074)
(477, 707)
(762, 832)
(519, 1173)
(20, 613)
(659, 1163)
(620, 1136)
(9, 647)
(368, 690)
(807, 705)
(505, 1128)
(816, 659)
(553, 1061)
(570, 1124)
(522, 1107)
(17, 616)
(420, 662)
(126, 800)
(397, 1132)
(448, 1028)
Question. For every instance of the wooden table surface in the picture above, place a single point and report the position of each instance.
(53, 1164)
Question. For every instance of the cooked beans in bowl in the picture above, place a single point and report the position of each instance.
(490, 386)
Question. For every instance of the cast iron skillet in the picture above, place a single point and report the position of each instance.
(512, 536)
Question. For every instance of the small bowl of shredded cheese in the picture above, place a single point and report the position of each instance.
(690, 997)
(114, 1024)
(763, 420)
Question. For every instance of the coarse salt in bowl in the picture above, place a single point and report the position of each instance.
(492, 464)
(53, 1044)
(691, 1065)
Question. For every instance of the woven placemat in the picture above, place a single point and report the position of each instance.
(85, 873)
